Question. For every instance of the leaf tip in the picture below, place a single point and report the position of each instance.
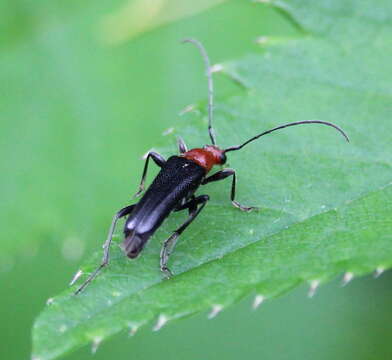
(168, 131)
(50, 301)
(314, 284)
(262, 40)
(378, 272)
(187, 109)
(161, 322)
(75, 278)
(258, 300)
(132, 329)
(216, 309)
(95, 344)
(216, 68)
(347, 277)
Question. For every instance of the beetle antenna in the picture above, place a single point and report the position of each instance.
(210, 85)
(238, 147)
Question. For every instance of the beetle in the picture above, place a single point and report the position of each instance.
(173, 189)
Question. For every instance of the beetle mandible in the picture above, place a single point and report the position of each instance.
(174, 187)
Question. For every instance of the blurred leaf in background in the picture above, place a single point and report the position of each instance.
(76, 114)
(137, 16)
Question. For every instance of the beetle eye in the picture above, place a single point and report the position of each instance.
(223, 158)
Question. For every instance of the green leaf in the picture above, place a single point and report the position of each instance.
(326, 204)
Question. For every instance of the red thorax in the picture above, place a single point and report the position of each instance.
(207, 157)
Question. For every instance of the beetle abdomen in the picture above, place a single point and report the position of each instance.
(134, 243)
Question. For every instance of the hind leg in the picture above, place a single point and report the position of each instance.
(159, 160)
(106, 247)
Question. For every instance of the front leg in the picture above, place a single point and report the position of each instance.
(159, 160)
(223, 174)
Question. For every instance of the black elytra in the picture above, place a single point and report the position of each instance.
(174, 184)
(174, 187)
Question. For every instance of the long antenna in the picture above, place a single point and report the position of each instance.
(238, 147)
(210, 85)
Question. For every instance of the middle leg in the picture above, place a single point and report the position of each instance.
(159, 160)
(195, 206)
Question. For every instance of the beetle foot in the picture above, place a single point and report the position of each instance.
(244, 208)
(167, 272)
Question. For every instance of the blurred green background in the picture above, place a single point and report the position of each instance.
(81, 99)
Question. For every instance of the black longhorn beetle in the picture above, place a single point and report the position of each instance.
(174, 187)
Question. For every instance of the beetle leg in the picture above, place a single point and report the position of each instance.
(106, 247)
(187, 203)
(169, 244)
(159, 160)
(182, 148)
(223, 174)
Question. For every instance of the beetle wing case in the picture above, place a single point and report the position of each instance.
(177, 178)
